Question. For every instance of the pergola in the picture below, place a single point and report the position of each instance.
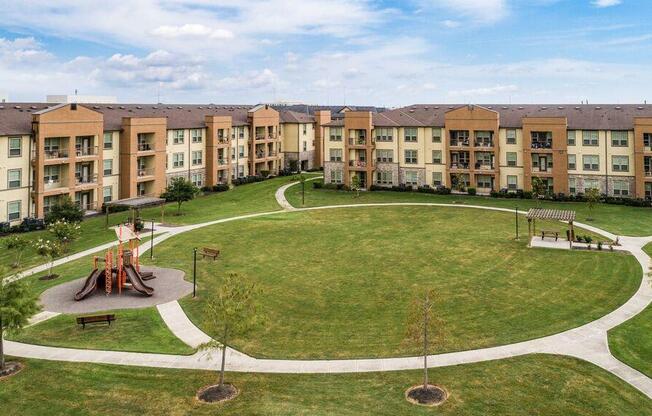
(535, 214)
(135, 205)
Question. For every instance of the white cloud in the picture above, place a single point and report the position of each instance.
(629, 40)
(451, 24)
(23, 50)
(479, 11)
(606, 3)
(484, 91)
(192, 30)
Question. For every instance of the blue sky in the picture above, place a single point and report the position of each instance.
(329, 52)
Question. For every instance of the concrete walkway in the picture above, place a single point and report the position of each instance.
(588, 342)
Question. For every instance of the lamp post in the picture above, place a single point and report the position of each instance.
(194, 272)
(151, 243)
(516, 220)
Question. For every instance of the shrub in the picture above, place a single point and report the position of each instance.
(471, 191)
(220, 187)
(65, 210)
(64, 232)
(317, 184)
(264, 173)
(17, 244)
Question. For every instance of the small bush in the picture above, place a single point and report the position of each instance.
(220, 187)
(471, 191)
(264, 173)
(65, 210)
(317, 184)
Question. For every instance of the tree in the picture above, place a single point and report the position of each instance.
(423, 326)
(232, 310)
(355, 185)
(592, 199)
(302, 180)
(457, 181)
(17, 305)
(64, 232)
(65, 209)
(17, 244)
(49, 250)
(180, 190)
(538, 189)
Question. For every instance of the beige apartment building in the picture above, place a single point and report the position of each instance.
(496, 147)
(97, 153)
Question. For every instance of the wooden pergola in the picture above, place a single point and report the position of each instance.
(535, 214)
(135, 205)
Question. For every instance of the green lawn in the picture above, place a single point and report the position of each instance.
(631, 342)
(648, 249)
(337, 283)
(618, 219)
(530, 385)
(135, 330)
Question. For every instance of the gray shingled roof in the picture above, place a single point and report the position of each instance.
(295, 117)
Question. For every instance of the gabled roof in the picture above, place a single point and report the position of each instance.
(287, 116)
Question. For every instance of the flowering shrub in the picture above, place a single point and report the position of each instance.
(18, 244)
(48, 249)
(65, 232)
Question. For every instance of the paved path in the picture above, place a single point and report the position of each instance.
(587, 342)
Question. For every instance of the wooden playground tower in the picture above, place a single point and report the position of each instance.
(123, 258)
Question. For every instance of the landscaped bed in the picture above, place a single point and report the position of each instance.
(530, 385)
(337, 283)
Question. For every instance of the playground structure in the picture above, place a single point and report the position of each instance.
(121, 272)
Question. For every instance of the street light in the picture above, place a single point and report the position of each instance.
(516, 220)
(194, 272)
(151, 243)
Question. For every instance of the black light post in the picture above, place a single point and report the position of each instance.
(151, 243)
(194, 272)
(303, 192)
(516, 219)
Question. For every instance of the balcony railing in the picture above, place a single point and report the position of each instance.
(460, 165)
(484, 144)
(56, 154)
(482, 166)
(542, 145)
(89, 206)
(53, 184)
(648, 173)
(272, 153)
(145, 147)
(145, 172)
(358, 163)
(459, 143)
(85, 179)
(222, 140)
(86, 151)
(357, 141)
(221, 162)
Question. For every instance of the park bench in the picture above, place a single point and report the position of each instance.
(209, 252)
(548, 233)
(83, 320)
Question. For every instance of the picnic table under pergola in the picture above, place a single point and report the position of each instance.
(564, 215)
(135, 205)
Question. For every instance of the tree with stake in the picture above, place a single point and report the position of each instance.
(422, 327)
(17, 305)
(48, 250)
(355, 185)
(18, 244)
(538, 190)
(592, 199)
(231, 311)
(65, 232)
(179, 190)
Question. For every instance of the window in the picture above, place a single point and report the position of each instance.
(108, 141)
(15, 147)
(197, 157)
(436, 135)
(108, 167)
(572, 187)
(411, 177)
(241, 150)
(511, 136)
(336, 155)
(384, 134)
(13, 178)
(541, 139)
(459, 138)
(483, 181)
(411, 156)
(51, 174)
(197, 179)
(177, 160)
(436, 156)
(13, 210)
(383, 155)
(177, 136)
(511, 158)
(591, 184)
(384, 177)
(619, 138)
(512, 182)
(572, 162)
(591, 162)
(336, 176)
(437, 179)
(195, 136)
(570, 137)
(410, 134)
(620, 163)
(621, 188)
(484, 138)
(305, 146)
(107, 193)
(232, 153)
(647, 140)
(305, 129)
(336, 134)
(590, 137)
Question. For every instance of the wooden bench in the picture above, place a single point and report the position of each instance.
(548, 233)
(209, 252)
(83, 320)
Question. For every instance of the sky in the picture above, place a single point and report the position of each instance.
(329, 51)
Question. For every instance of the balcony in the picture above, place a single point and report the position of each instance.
(222, 140)
(459, 143)
(86, 151)
(358, 163)
(86, 180)
(484, 143)
(648, 173)
(53, 184)
(484, 166)
(145, 174)
(221, 162)
(89, 206)
(358, 141)
(460, 165)
(55, 154)
(145, 147)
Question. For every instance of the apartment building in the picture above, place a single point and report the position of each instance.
(97, 153)
(571, 148)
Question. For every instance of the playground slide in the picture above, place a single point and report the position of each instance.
(89, 285)
(137, 283)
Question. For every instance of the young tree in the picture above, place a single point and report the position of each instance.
(538, 189)
(49, 250)
(302, 181)
(65, 210)
(355, 185)
(180, 190)
(64, 232)
(17, 305)
(457, 181)
(423, 326)
(592, 199)
(232, 310)
(18, 244)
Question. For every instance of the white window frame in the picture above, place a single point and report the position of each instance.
(620, 167)
(591, 166)
(10, 211)
(104, 169)
(178, 160)
(197, 160)
(590, 138)
(19, 180)
(19, 140)
(178, 136)
(412, 158)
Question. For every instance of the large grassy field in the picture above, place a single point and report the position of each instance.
(135, 330)
(631, 342)
(530, 385)
(337, 283)
(618, 219)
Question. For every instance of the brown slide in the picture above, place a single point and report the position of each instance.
(90, 284)
(137, 282)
